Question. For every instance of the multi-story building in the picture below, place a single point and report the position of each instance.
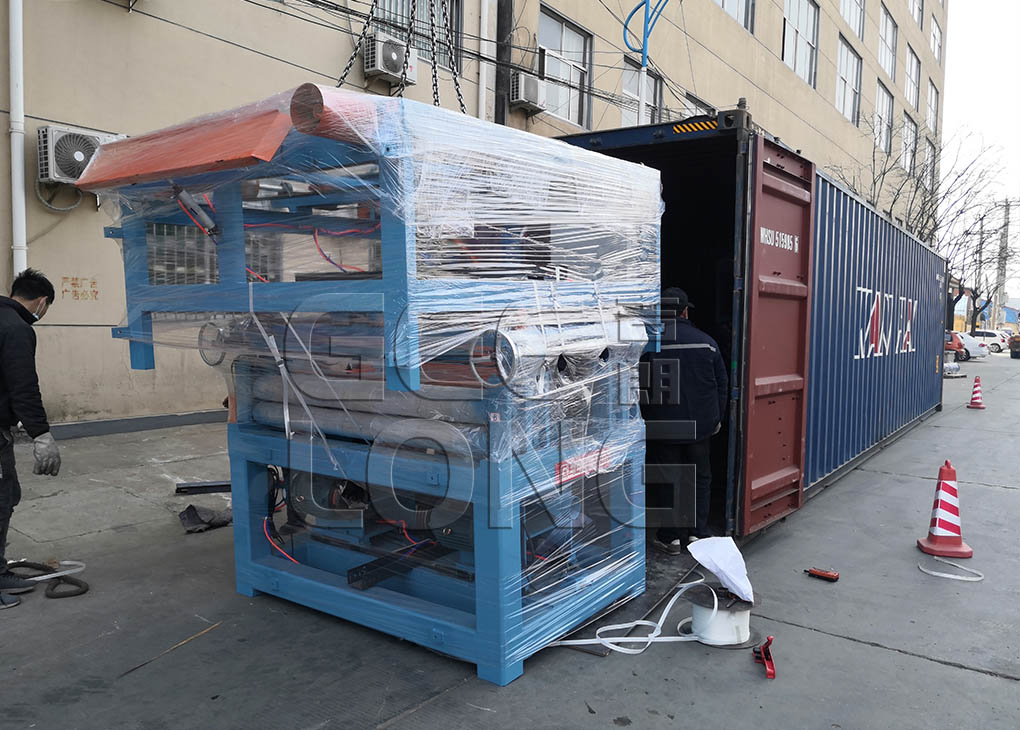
(845, 81)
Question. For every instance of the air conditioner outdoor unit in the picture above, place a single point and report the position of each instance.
(384, 59)
(64, 152)
(527, 92)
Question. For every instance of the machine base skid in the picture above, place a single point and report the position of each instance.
(503, 628)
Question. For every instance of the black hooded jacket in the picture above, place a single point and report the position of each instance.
(20, 399)
(684, 382)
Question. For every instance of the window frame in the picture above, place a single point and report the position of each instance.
(908, 122)
(855, 116)
(748, 7)
(912, 82)
(885, 126)
(932, 117)
(931, 163)
(885, 21)
(395, 24)
(812, 44)
(658, 92)
(917, 12)
(585, 88)
(862, 5)
(935, 30)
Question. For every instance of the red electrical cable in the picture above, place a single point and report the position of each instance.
(315, 237)
(265, 530)
(257, 276)
(206, 196)
(193, 220)
(403, 527)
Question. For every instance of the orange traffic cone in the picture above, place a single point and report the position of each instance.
(945, 536)
(975, 396)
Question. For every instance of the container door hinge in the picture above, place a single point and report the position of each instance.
(738, 284)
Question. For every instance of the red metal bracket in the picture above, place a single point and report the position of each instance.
(763, 655)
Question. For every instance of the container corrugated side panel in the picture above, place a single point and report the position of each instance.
(876, 331)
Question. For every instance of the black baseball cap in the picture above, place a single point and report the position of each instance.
(676, 297)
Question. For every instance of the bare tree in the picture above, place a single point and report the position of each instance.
(938, 191)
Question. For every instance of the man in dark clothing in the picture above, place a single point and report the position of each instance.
(31, 296)
(686, 396)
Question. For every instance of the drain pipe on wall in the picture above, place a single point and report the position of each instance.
(483, 46)
(19, 246)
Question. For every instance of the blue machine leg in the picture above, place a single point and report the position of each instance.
(249, 486)
(498, 610)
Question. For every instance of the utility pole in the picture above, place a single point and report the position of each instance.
(1000, 277)
(504, 50)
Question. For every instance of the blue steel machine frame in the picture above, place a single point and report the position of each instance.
(482, 616)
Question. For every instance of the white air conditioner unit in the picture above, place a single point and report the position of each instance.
(64, 152)
(384, 59)
(527, 92)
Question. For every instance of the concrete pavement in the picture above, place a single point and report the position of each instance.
(885, 647)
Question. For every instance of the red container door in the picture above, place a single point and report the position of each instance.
(778, 291)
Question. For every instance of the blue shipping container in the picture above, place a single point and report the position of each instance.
(834, 347)
(877, 324)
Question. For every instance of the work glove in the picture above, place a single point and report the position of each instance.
(47, 455)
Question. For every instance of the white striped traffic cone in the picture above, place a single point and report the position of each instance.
(975, 395)
(945, 535)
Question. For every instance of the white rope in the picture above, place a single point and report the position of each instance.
(977, 575)
(655, 636)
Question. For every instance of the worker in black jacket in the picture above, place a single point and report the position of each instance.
(31, 295)
(684, 401)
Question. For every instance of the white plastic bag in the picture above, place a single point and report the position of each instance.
(721, 556)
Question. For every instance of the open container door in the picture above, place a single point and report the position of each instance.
(779, 301)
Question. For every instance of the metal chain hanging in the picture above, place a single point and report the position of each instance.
(359, 44)
(408, 45)
(432, 47)
(448, 31)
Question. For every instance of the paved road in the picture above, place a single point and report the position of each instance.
(885, 647)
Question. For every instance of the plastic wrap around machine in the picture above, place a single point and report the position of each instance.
(429, 329)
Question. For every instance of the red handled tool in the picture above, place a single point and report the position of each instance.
(830, 575)
(763, 655)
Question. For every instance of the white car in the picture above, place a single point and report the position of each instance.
(973, 347)
(995, 340)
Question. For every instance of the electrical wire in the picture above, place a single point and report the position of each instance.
(323, 254)
(265, 531)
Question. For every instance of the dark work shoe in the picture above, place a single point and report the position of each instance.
(673, 547)
(8, 601)
(11, 583)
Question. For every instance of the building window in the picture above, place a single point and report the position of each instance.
(887, 32)
(912, 80)
(917, 11)
(909, 151)
(631, 93)
(741, 10)
(936, 40)
(853, 14)
(565, 59)
(933, 107)
(848, 81)
(394, 14)
(883, 119)
(931, 165)
(800, 38)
